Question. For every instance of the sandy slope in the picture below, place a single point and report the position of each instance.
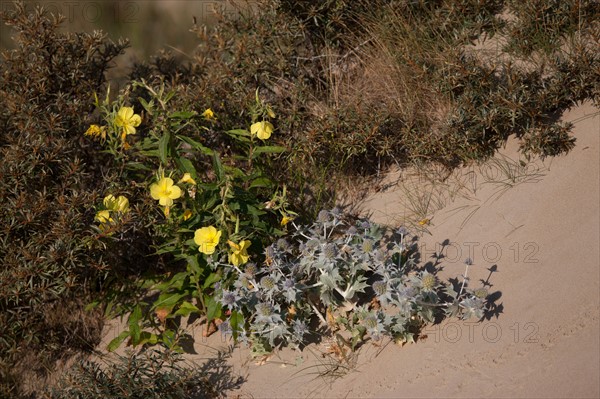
(543, 237)
(540, 232)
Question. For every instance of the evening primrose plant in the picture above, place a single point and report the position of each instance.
(216, 210)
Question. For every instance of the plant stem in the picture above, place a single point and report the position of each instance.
(464, 280)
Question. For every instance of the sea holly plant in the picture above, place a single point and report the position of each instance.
(357, 280)
(214, 206)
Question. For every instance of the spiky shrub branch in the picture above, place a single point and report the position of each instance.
(147, 374)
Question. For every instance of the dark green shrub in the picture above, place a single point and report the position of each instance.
(48, 188)
(542, 25)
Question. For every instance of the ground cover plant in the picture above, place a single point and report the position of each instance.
(197, 188)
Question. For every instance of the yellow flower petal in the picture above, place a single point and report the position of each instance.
(262, 129)
(207, 239)
(122, 204)
(103, 216)
(127, 120)
(165, 201)
(96, 131)
(286, 219)
(165, 191)
(174, 192)
(125, 113)
(135, 120)
(208, 114)
(187, 178)
(239, 256)
(110, 202)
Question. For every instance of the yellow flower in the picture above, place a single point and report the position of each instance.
(239, 256)
(187, 214)
(96, 131)
(209, 115)
(262, 129)
(165, 191)
(424, 222)
(120, 204)
(104, 217)
(207, 239)
(187, 178)
(127, 120)
(286, 219)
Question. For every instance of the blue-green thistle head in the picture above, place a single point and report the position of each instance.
(380, 288)
(268, 282)
(323, 216)
(330, 251)
(368, 245)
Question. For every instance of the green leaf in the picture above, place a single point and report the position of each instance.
(91, 305)
(133, 322)
(168, 300)
(165, 250)
(196, 145)
(169, 338)
(182, 115)
(261, 182)
(328, 281)
(135, 333)
(150, 153)
(212, 278)
(213, 308)
(358, 286)
(185, 165)
(175, 282)
(147, 106)
(116, 342)
(193, 263)
(236, 320)
(186, 308)
(138, 166)
(218, 167)
(147, 337)
(163, 147)
(169, 96)
(136, 315)
(239, 132)
(240, 135)
(268, 149)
